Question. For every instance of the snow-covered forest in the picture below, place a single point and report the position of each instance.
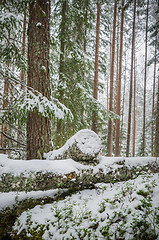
(103, 77)
(79, 99)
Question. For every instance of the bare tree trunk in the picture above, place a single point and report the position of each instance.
(109, 140)
(153, 102)
(134, 120)
(63, 32)
(23, 50)
(38, 127)
(145, 78)
(157, 125)
(131, 83)
(117, 129)
(95, 95)
(123, 104)
(5, 104)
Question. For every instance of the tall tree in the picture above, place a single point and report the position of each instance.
(23, 48)
(117, 127)
(95, 94)
(38, 127)
(145, 78)
(109, 139)
(153, 100)
(131, 82)
(5, 103)
(157, 124)
(134, 117)
(63, 36)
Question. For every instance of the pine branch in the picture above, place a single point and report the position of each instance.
(9, 137)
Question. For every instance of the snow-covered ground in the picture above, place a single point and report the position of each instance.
(110, 211)
(116, 210)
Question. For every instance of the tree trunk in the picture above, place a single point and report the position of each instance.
(153, 102)
(109, 140)
(38, 127)
(95, 94)
(122, 113)
(63, 32)
(5, 104)
(145, 77)
(131, 82)
(134, 120)
(23, 51)
(157, 125)
(117, 130)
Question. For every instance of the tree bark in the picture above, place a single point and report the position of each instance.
(5, 104)
(153, 102)
(95, 94)
(23, 51)
(117, 136)
(134, 120)
(131, 82)
(145, 78)
(38, 127)
(63, 32)
(157, 125)
(109, 140)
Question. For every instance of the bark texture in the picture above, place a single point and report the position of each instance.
(38, 127)
(153, 101)
(117, 127)
(145, 81)
(157, 125)
(95, 94)
(110, 123)
(131, 83)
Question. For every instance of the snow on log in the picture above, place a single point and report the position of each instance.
(35, 175)
(84, 146)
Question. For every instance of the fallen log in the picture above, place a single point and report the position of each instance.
(33, 175)
(83, 147)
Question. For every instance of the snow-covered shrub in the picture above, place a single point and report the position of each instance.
(125, 210)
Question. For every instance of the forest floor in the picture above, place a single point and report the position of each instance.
(116, 210)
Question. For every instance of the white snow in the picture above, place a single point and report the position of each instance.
(83, 210)
(62, 167)
(17, 167)
(78, 214)
(87, 141)
(11, 198)
(38, 24)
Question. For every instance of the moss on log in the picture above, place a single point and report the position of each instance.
(35, 181)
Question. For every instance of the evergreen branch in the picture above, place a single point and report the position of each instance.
(9, 137)
(12, 149)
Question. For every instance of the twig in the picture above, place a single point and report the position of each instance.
(12, 139)
(12, 149)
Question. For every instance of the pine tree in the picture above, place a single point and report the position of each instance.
(23, 49)
(145, 78)
(109, 139)
(134, 117)
(131, 83)
(157, 124)
(117, 129)
(95, 95)
(153, 101)
(38, 127)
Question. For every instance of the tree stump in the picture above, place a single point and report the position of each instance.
(83, 147)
